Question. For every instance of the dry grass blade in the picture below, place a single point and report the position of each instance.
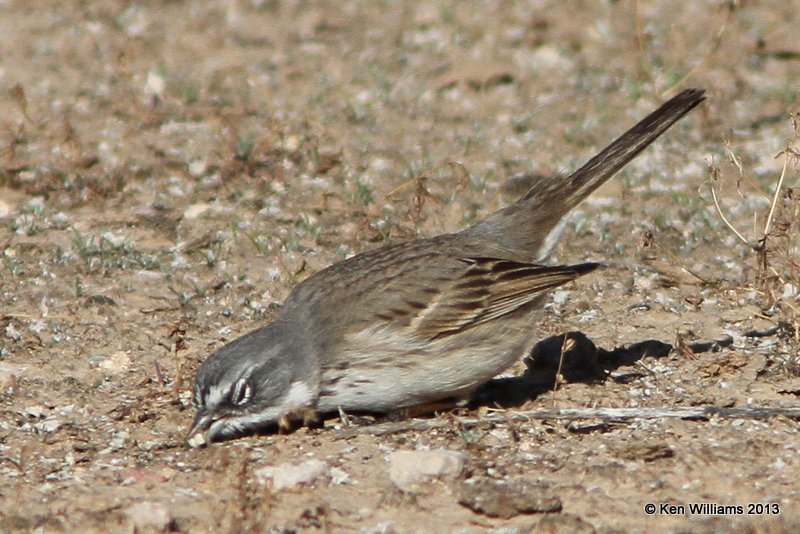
(715, 175)
(729, 8)
(778, 189)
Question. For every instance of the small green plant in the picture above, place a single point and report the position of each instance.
(103, 252)
(31, 220)
(77, 288)
(190, 94)
(12, 265)
(363, 193)
(478, 183)
(309, 226)
(260, 241)
(244, 146)
(522, 123)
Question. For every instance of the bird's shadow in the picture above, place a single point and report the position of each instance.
(570, 357)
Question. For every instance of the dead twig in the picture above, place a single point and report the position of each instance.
(571, 414)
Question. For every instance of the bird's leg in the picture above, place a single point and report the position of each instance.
(311, 418)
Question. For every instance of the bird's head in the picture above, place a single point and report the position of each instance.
(250, 384)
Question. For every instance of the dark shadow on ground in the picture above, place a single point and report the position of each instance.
(578, 361)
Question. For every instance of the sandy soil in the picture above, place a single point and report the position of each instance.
(170, 169)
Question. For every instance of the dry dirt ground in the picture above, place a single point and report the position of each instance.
(170, 169)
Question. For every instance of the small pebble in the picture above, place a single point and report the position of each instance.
(289, 476)
(150, 516)
(408, 469)
(117, 363)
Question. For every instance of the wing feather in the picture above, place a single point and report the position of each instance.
(488, 289)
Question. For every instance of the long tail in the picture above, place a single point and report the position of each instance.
(528, 228)
(583, 182)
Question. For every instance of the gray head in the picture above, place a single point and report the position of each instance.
(252, 382)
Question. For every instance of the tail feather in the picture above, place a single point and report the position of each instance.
(595, 172)
(528, 229)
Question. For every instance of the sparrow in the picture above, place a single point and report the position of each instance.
(411, 323)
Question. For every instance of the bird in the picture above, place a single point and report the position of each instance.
(412, 323)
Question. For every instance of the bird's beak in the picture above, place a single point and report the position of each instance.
(198, 435)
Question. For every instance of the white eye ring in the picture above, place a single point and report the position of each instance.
(241, 392)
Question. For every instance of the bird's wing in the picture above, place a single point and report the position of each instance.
(488, 289)
(423, 289)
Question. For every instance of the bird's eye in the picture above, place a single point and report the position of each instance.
(241, 392)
